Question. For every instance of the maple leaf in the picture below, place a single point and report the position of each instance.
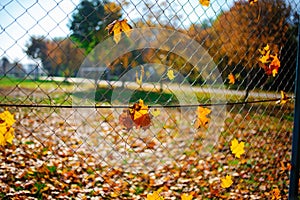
(154, 196)
(7, 117)
(276, 193)
(138, 115)
(117, 27)
(170, 74)
(186, 197)
(237, 148)
(231, 78)
(202, 119)
(271, 63)
(204, 2)
(226, 182)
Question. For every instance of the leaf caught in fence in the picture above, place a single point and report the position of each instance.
(138, 115)
(202, 119)
(237, 148)
(226, 182)
(284, 98)
(204, 2)
(270, 63)
(117, 27)
(231, 78)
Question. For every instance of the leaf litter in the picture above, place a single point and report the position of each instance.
(55, 156)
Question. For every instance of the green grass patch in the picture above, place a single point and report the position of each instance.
(33, 84)
(127, 95)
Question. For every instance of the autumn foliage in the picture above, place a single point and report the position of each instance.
(137, 115)
(6, 130)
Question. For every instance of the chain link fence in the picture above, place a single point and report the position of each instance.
(147, 99)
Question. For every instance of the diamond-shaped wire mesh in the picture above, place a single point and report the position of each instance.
(208, 74)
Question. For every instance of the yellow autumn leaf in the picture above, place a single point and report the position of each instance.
(117, 27)
(231, 78)
(3, 130)
(170, 74)
(283, 99)
(186, 197)
(155, 112)
(154, 196)
(265, 52)
(202, 119)
(204, 2)
(237, 148)
(226, 182)
(265, 58)
(142, 110)
(9, 135)
(7, 117)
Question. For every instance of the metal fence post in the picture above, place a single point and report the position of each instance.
(294, 176)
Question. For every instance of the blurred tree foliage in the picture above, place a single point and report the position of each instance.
(60, 57)
(236, 35)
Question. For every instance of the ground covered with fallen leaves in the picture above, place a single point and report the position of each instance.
(86, 154)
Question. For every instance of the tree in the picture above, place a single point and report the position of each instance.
(236, 35)
(59, 56)
(89, 21)
(4, 64)
(37, 49)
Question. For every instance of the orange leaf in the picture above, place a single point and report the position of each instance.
(275, 64)
(138, 115)
(251, 2)
(231, 78)
(271, 63)
(276, 193)
(202, 119)
(204, 2)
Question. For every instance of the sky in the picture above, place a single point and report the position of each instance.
(20, 19)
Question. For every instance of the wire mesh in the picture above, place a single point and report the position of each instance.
(153, 109)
